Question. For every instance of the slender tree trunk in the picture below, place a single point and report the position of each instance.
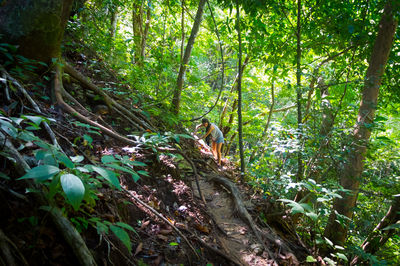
(146, 31)
(233, 89)
(113, 23)
(176, 100)
(299, 90)
(351, 174)
(240, 124)
(37, 27)
(256, 149)
(378, 236)
(137, 21)
(182, 28)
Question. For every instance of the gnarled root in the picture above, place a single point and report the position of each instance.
(84, 119)
(110, 101)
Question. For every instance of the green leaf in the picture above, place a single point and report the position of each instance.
(77, 159)
(108, 159)
(3, 175)
(122, 168)
(73, 188)
(101, 228)
(341, 256)
(310, 259)
(329, 261)
(312, 215)
(41, 172)
(136, 163)
(126, 226)
(35, 119)
(141, 172)
(88, 138)
(173, 244)
(392, 226)
(329, 242)
(296, 207)
(8, 128)
(110, 176)
(65, 160)
(27, 136)
(122, 235)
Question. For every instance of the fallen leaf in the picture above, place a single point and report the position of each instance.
(202, 228)
(165, 231)
(145, 224)
(138, 249)
(164, 238)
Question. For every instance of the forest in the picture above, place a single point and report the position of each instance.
(103, 160)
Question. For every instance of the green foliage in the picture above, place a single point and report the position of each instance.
(67, 176)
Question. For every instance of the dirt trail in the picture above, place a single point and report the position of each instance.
(239, 243)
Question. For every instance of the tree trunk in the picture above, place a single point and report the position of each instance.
(299, 92)
(37, 27)
(113, 23)
(351, 174)
(137, 27)
(182, 29)
(378, 236)
(233, 89)
(176, 101)
(240, 124)
(146, 31)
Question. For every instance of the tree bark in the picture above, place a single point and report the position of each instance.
(176, 100)
(146, 31)
(240, 124)
(299, 93)
(351, 174)
(233, 89)
(113, 23)
(137, 27)
(37, 27)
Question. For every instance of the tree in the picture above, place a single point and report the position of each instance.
(239, 88)
(188, 50)
(37, 27)
(353, 168)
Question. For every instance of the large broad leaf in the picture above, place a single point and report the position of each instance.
(109, 175)
(296, 207)
(65, 160)
(122, 235)
(41, 172)
(35, 119)
(8, 128)
(108, 159)
(135, 176)
(73, 188)
(126, 226)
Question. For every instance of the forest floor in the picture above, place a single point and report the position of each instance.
(185, 210)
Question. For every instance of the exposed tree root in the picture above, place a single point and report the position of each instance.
(5, 245)
(72, 111)
(220, 253)
(110, 101)
(67, 230)
(244, 215)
